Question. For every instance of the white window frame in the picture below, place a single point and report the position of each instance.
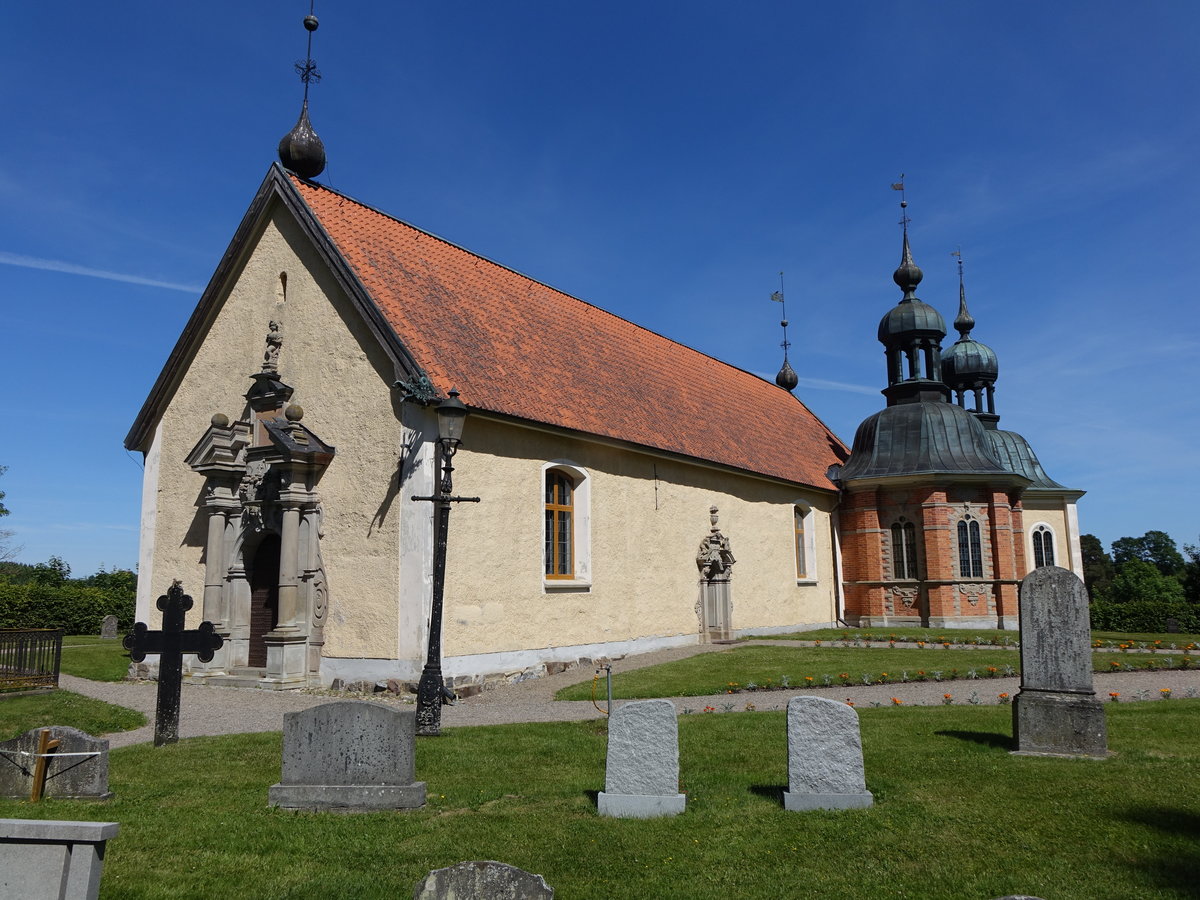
(1053, 545)
(809, 518)
(581, 521)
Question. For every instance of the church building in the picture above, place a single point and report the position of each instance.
(634, 493)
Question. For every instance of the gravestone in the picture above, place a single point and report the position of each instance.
(825, 760)
(77, 768)
(1056, 712)
(170, 644)
(1172, 626)
(51, 860)
(642, 774)
(349, 756)
(108, 628)
(483, 880)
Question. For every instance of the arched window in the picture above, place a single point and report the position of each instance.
(1043, 546)
(567, 523)
(904, 549)
(560, 525)
(805, 533)
(970, 549)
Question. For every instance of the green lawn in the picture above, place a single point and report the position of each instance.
(769, 666)
(956, 816)
(961, 635)
(19, 714)
(93, 657)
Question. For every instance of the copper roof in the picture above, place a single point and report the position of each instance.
(516, 347)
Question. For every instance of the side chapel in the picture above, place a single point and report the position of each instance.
(636, 493)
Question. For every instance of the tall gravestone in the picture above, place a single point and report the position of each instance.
(1056, 712)
(78, 767)
(349, 756)
(108, 628)
(825, 760)
(642, 774)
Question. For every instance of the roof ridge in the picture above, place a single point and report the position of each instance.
(437, 237)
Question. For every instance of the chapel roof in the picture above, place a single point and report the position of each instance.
(516, 347)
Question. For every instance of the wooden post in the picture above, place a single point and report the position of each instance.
(45, 746)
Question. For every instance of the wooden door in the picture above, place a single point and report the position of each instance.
(264, 598)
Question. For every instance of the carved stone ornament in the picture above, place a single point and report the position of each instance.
(906, 596)
(259, 493)
(274, 344)
(715, 559)
(975, 592)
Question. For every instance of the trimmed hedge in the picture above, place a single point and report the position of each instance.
(76, 608)
(1145, 616)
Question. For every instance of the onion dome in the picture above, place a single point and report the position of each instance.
(910, 316)
(787, 378)
(301, 150)
(968, 364)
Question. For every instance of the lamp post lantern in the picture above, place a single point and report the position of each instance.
(432, 691)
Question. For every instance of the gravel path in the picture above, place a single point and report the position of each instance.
(212, 710)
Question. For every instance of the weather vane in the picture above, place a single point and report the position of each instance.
(786, 378)
(306, 68)
(899, 186)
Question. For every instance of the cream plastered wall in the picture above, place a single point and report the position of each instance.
(1049, 510)
(341, 378)
(648, 516)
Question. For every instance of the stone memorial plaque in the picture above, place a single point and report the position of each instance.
(485, 880)
(349, 756)
(825, 760)
(71, 771)
(642, 774)
(108, 628)
(1056, 712)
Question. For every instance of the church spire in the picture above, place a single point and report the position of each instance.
(912, 333)
(301, 150)
(970, 368)
(787, 378)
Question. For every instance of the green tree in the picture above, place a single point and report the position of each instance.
(1154, 547)
(53, 572)
(1139, 581)
(1098, 569)
(1191, 572)
(8, 550)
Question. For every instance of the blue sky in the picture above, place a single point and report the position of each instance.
(662, 160)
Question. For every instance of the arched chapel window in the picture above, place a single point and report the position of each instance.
(904, 549)
(1043, 546)
(804, 533)
(970, 549)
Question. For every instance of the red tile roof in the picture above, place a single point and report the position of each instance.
(517, 347)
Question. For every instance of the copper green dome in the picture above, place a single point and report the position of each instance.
(966, 362)
(911, 317)
(922, 438)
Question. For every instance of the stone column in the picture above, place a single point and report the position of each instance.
(286, 656)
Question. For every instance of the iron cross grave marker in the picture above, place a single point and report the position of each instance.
(170, 644)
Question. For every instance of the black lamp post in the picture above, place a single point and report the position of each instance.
(432, 691)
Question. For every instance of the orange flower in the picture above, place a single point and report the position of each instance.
(947, 696)
(897, 701)
(1002, 696)
(849, 702)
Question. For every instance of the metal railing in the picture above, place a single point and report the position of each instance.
(30, 658)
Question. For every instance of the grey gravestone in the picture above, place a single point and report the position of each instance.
(349, 756)
(108, 628)
(1172, 626)
(79, 776)
(825, 760)
(483, 880)
(1056, 712)
(642, 775)
(49, 860)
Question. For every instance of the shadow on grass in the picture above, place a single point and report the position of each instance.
(773, 792)
(593, 796)
(987, 738)
(1177, 871)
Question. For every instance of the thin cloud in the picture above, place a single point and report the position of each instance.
(55, 265)
(820, 384)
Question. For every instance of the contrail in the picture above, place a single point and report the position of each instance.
(55, 265)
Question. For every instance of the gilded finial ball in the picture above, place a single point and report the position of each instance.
(311, 23)
(220, 420)
(294, 413)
